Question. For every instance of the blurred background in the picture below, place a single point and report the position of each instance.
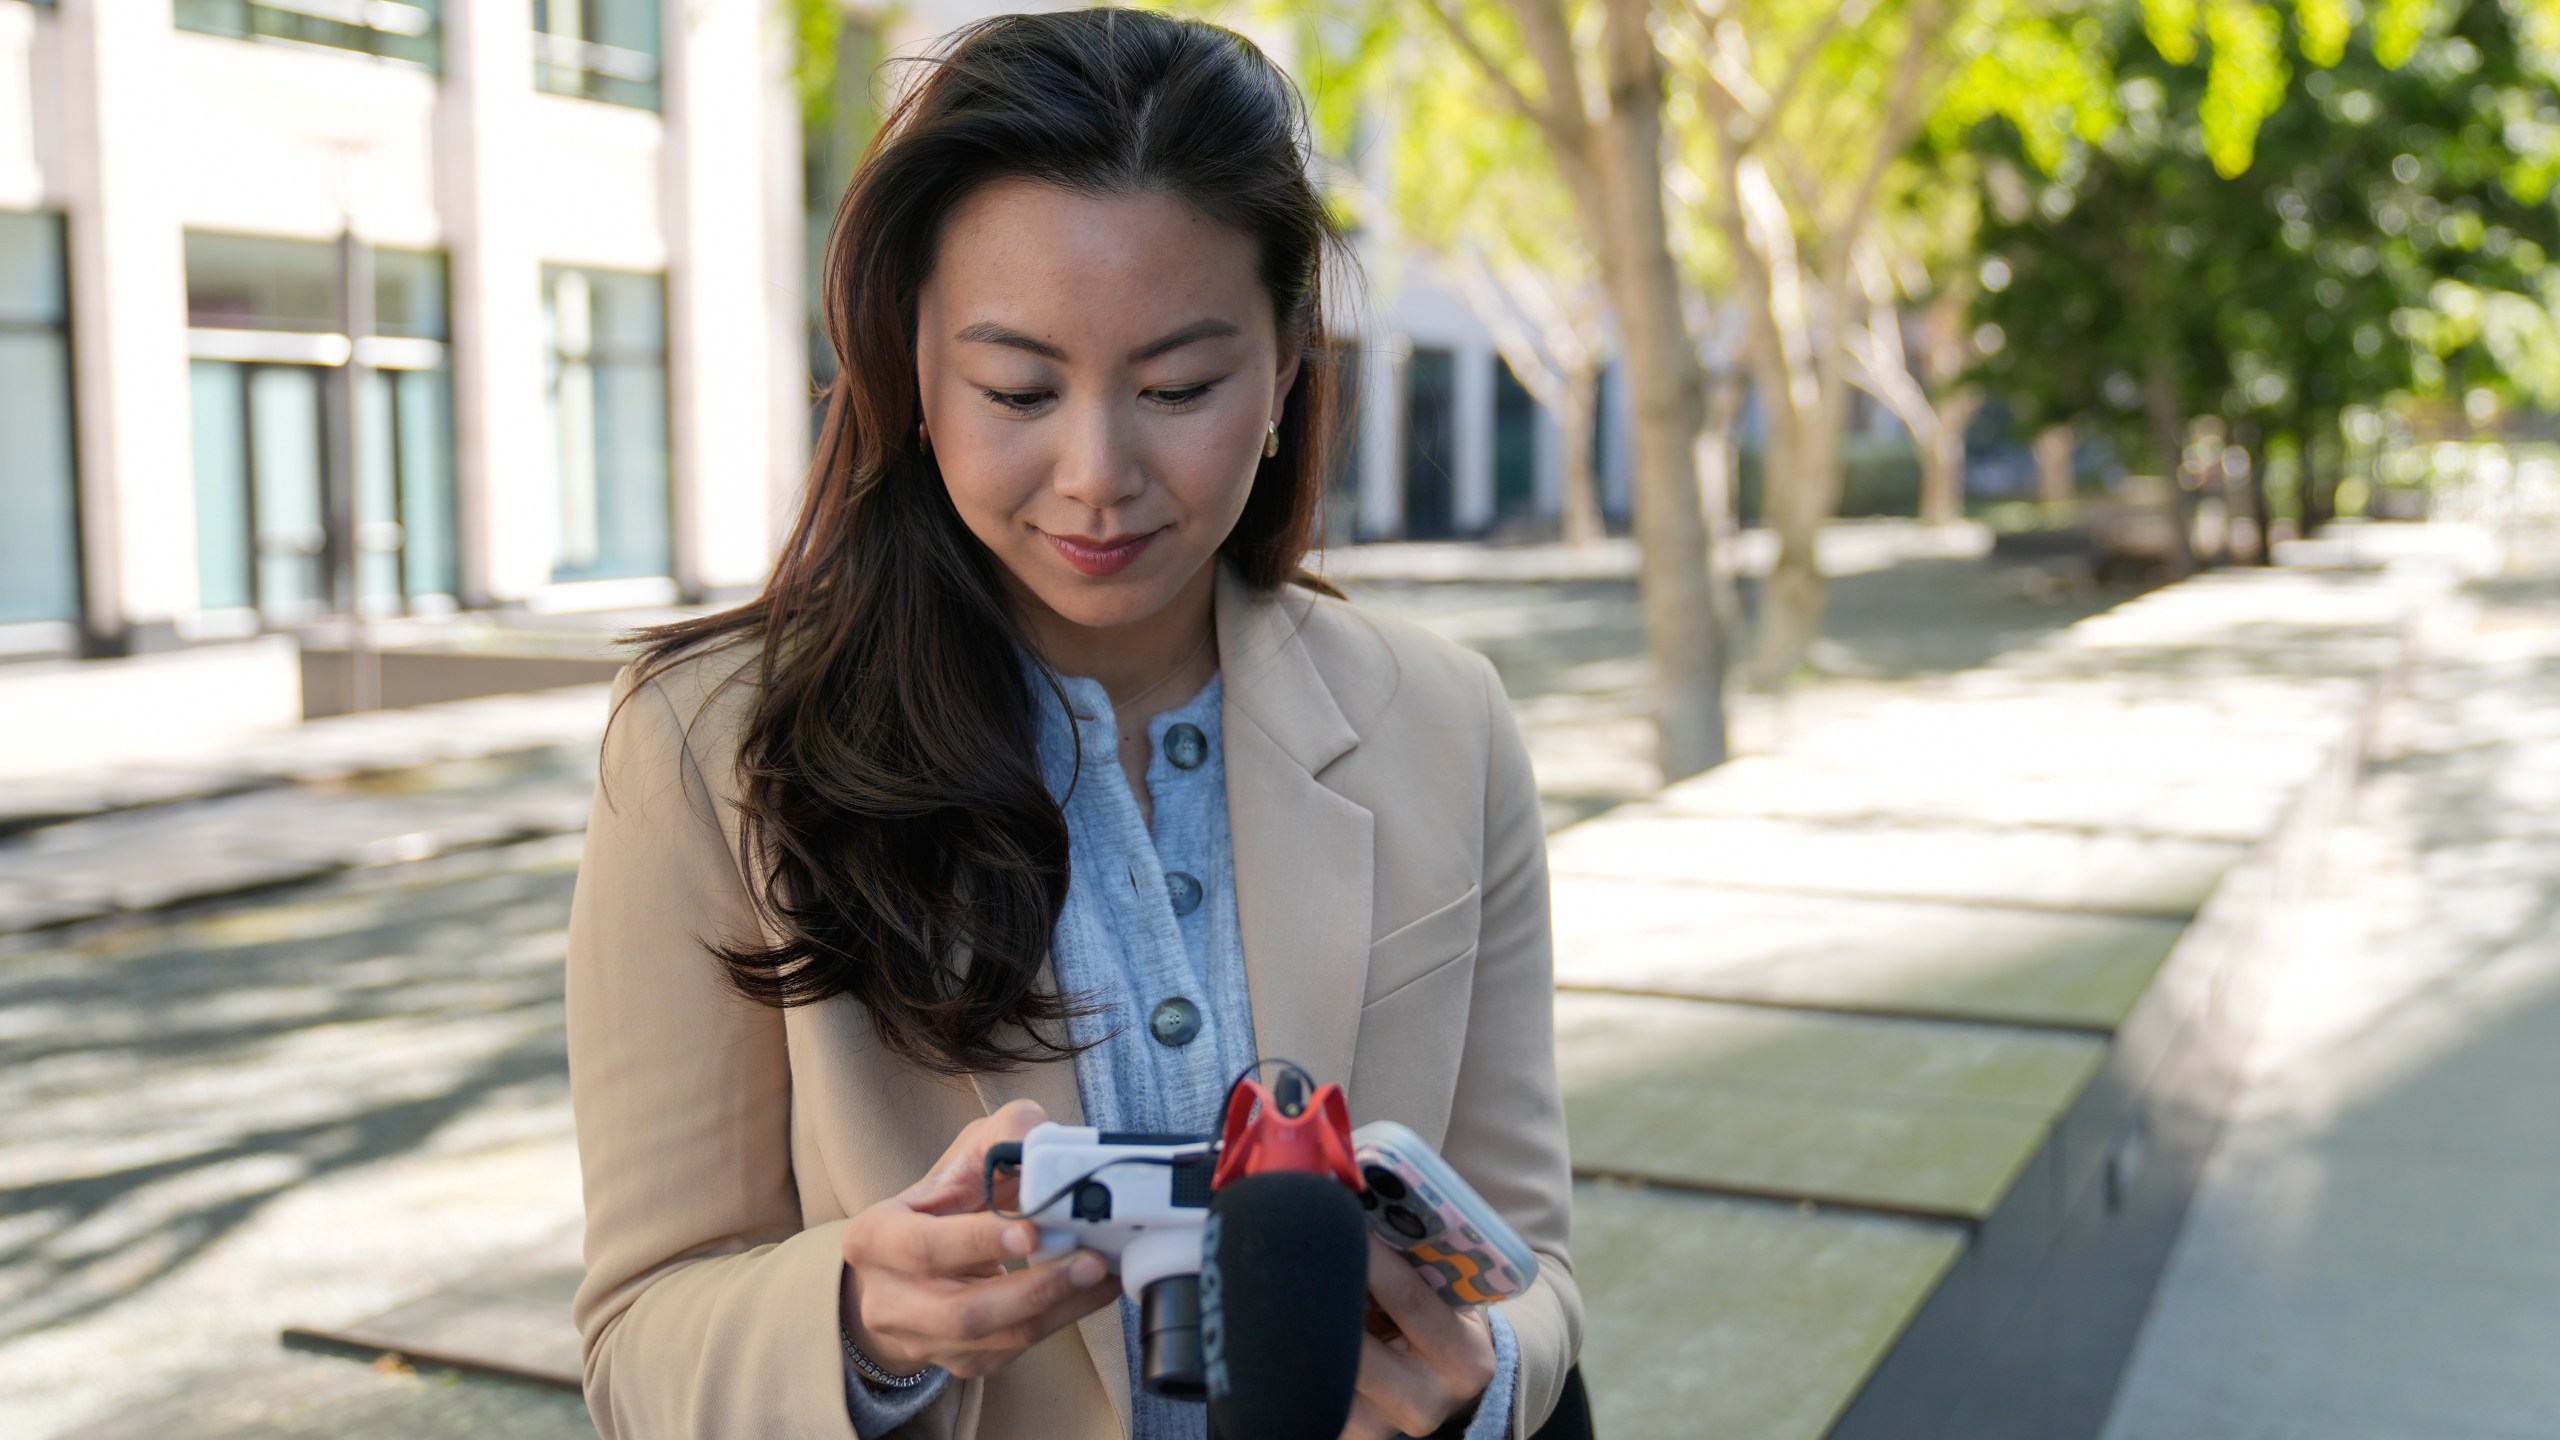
(2024, 537)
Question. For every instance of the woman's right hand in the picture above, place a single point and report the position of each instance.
(924, 1282)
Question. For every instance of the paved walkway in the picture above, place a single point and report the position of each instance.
(1889, 1055)
(2374, 1252)
(310, 1107)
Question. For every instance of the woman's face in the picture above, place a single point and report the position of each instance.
(1096, 374)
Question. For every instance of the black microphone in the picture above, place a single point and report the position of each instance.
(1284, 1288)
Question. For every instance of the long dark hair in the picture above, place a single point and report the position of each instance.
(901, 846)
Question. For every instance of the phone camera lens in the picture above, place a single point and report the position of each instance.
(1406, 1223)
(1384, 1181)
(1093, 1201)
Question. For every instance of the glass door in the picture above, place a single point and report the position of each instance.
(404, 492)
(39, 513)
(270, 342)
(261, 500)
(288, 489)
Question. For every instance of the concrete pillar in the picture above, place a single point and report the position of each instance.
(718, 314)
(502, 441)
(128, 321)
(1383, 360)
(1471, 439)
(1617, 447)
(1546, 463)
(788, 397)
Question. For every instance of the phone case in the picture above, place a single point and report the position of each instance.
(1420, 1206)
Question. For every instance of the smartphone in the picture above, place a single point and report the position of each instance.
(1419, 1206)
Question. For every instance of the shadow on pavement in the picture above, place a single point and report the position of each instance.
(164, 1083)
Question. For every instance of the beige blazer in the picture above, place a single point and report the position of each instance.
(1392, 888)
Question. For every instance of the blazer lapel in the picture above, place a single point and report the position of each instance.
(1302, 850)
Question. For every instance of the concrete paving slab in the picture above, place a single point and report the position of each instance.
(2414, 1346)
(2335, 1206)
(566, 722)
(1874, 956)
(295, 1396)
(139, 860)
(1975, 739)
(1906, 1116)
(2056, 870)
(1837, 789)
(1711, 1317)
(2316, 1422)
(176, 705)
(510, 1324)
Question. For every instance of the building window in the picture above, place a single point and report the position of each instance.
(270, 344)
(411, 31)
(1515, 446)
(597, 50)
(39, 525)
(1346, 464)
(607, 390)
(1430, 495)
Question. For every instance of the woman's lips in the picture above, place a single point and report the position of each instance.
(1099, 557)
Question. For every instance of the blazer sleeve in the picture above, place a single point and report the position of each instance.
(707, 1308)
(1506, 1123)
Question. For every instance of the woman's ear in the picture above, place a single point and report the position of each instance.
(1280, 383)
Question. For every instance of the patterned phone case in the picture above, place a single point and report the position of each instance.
(1420, 1206)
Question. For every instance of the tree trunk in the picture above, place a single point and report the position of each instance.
(2055, 485)
(2318, 498)
(1720, 497)
(2169, 437)
(1793, 384)
(1799, 593)
(1942, 459)
(1582, 521)
(1803, 482)
(1663, 376)
(2262, 546)
(1943, 351)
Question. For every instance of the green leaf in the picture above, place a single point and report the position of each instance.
(2244, 81)
(2325, 25)
(2171, 25)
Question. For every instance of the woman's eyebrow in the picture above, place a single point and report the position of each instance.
(988, 332)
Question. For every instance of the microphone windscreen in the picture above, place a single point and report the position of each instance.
(1284, 1289)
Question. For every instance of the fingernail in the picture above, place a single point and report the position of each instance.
(1017, 1239)
(1085, 1269)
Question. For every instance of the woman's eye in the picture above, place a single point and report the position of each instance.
(1178, 399)
(1020, 402)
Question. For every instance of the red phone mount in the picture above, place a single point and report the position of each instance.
(1285, 1128)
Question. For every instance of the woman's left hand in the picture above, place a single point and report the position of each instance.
(1437, 1368)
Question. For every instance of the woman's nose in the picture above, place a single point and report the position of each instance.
(1097, 466)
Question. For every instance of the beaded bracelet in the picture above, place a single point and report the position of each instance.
(869, 1369)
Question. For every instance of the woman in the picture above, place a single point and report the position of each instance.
(863, 894)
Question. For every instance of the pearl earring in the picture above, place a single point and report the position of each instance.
(1270, 439)
(923, 441)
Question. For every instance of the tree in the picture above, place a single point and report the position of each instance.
(1597, 108)
(2376, 231)
(1771, 126)
(1806, 116)
(1471, 185)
